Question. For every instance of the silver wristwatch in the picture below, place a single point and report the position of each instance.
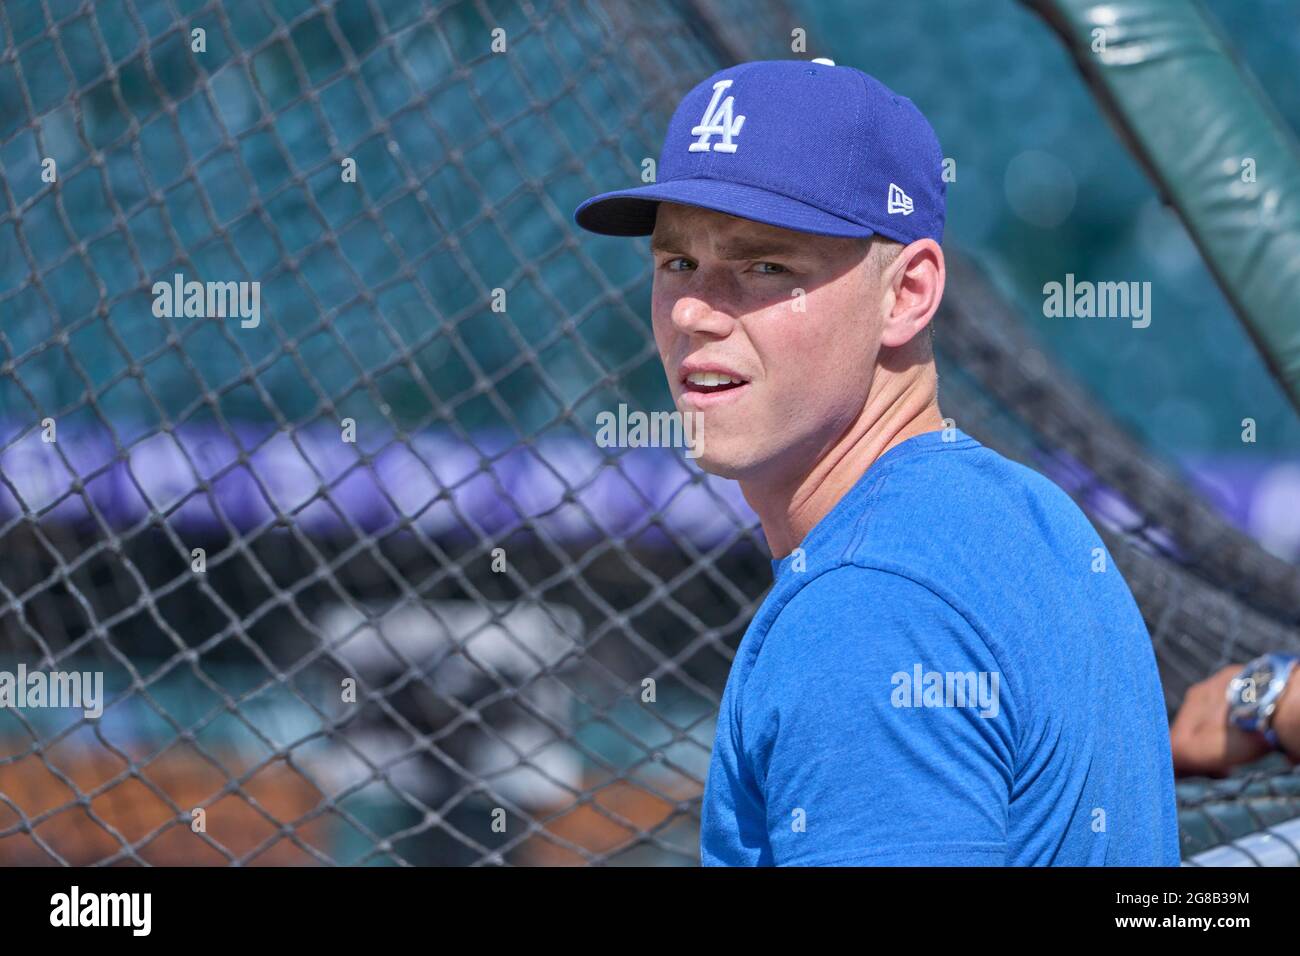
(1253, 694)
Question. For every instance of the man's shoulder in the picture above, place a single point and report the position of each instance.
(966, 506)
(964, 477)
(959, 543)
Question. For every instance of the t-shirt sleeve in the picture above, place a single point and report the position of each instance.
(879, 728)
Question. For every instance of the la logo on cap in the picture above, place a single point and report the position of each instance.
(718, 121)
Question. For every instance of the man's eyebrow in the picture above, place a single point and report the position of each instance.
(666, 241)
(741, 248)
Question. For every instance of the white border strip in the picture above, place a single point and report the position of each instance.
(1276, 846)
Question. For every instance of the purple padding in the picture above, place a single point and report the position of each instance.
(571, 490)
(1260, 497)
(201, 479)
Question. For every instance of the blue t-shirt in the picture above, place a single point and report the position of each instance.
(950, 670)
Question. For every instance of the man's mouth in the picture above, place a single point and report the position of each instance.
(710, 383)
(709, 388)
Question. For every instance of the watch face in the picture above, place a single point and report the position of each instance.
(1249, 687)
(1247, 691)
(1253, 694)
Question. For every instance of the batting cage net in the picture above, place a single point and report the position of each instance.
(339, 531)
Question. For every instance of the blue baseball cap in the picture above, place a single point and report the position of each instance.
(804, 145)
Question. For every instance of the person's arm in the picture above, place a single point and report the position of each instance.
(1205, 744)
(851, 776)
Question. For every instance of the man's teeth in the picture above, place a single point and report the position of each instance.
(709, 379)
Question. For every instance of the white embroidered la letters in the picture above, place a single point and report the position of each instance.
(718, 121)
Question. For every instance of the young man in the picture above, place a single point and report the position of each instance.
(949, 670)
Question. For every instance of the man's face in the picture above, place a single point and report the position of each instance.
(726, 302)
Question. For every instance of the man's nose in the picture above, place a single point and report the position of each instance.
(706, 309)
(695, 316)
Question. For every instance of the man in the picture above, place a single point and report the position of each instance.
(948, 670)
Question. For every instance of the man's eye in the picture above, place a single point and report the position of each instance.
(773, 268)
(670, 264)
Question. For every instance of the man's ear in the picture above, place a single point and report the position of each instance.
(916, 278)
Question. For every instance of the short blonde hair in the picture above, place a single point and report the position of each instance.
(883, 252)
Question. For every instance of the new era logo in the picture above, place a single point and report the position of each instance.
(899, 201)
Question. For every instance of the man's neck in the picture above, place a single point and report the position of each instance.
(788, 512)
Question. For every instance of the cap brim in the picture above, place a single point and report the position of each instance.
(631, 212)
